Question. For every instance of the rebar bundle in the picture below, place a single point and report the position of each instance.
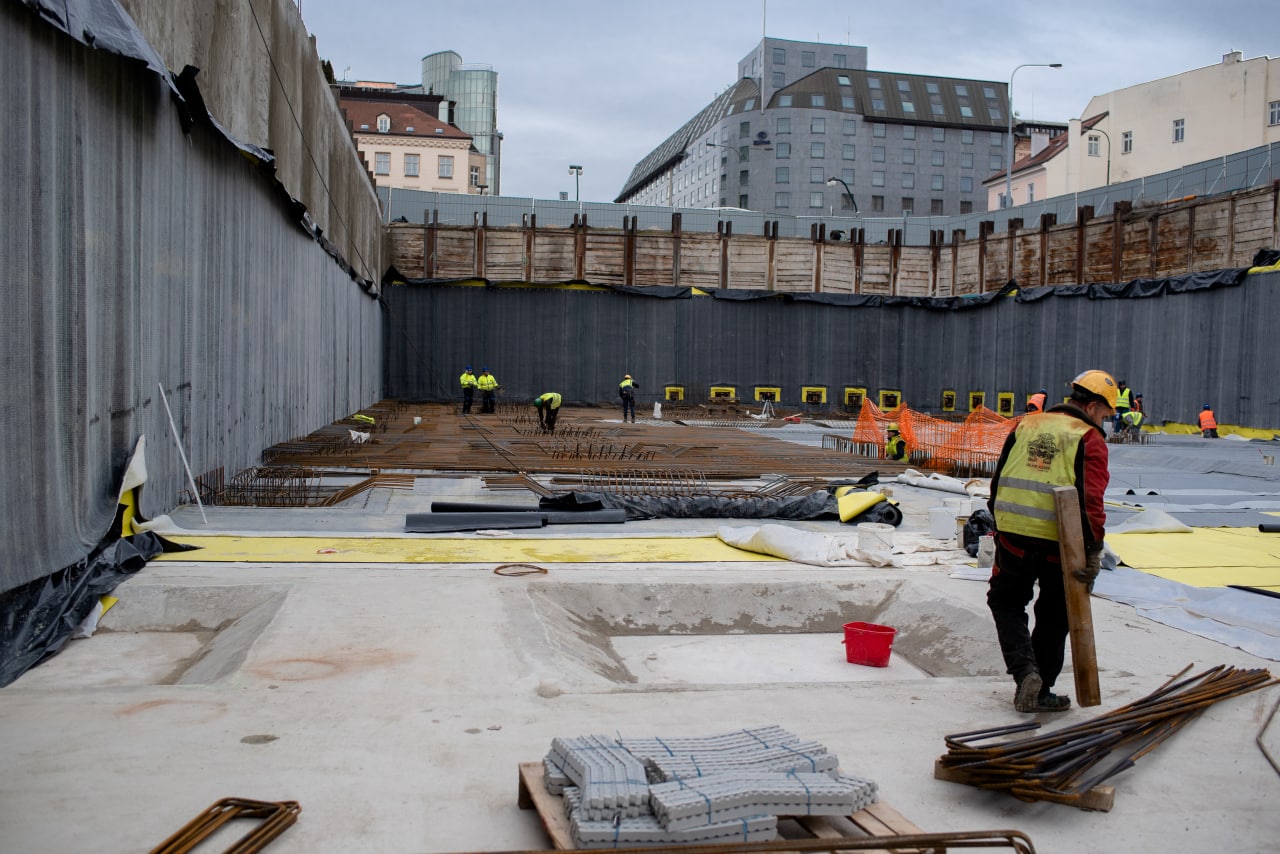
(1068, 762)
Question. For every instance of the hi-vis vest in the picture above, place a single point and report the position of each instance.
(627, 387)
(467, 379)
(1043, 457)
(896, 448)
(1207, 421)
(487, 382)
(550, 399)
(1122, 399)
(1133, 417)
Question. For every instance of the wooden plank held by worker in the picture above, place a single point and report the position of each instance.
(1084, 657)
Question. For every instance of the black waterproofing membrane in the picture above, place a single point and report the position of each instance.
(817, 505)
(38, 617)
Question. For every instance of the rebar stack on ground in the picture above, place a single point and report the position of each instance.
(273, 486)
(634, 482)
(1068, 762)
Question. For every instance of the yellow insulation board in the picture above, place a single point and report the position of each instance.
(457, 550)
(1206, 557)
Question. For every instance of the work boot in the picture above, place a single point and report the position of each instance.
(1048, 702)
(1028, 697)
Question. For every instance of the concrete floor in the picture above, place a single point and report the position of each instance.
(395, 701)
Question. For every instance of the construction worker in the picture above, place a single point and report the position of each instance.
(548, 410)
(1037, 401)
(468, 383)
(1208, 424)
(895, 447)
(488, 384)
(1124, 402)
(1138, 405)
(1131, 423)
(627, 391)
(1065, 446)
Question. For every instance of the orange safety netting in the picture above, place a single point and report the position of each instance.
(967, 446)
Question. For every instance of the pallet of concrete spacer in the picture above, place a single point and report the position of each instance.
(646, 830)
(801, 757)
(728, 742)
(703, 801)
(611, 780)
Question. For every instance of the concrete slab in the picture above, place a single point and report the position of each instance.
(395, 701)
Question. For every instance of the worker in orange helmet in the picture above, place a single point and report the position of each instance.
(1208, 423)
(1065, 446)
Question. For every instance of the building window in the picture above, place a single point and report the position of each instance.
(445, 166)
(873, 82)
(877, 203)
(744, 152)
(851, 127)
(382, 163)
(877, 178)
(939, 158)
(782, 150)
(846, 204)
(908, 180)
(475, 176)
(997, 140)
(966, 184)
(744, 202)
(1179, 130)
(908, 156)
(877, 153)
(742, 178)
(966, 207)
(782, 200)
(1095, 145)
(939, 134)
(1126, 142)
(817, 100)
(782, 175)
(908, 107)
(744, 130)
(817, 150)
(908, 205)
(779, 79)
(784, 100)
(878, 130)
(966, 160)
(816, 199)
(839, 60)
(784, 125)
(808, 58)
(966, 136)
(779, 56)
(817, 125)
(846, 175)
(935, 182)
(411, 165)
(848, 151)
(817, 175)
(995, 163)
(931, 88)
(935, 207)
(1274, 107)
(843, 80)
(877, 104)
(384, 123)
(847, 102)
(936, 108)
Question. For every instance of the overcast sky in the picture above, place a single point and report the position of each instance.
(601, 83)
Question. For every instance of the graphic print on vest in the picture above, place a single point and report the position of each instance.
(1041, 451)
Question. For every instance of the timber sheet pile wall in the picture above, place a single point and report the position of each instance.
(1178, 349)
(137, 257)
(1193, 236)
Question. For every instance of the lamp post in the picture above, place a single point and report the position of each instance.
(831, 182)
(1008, 166)
(1108, 136)
(576, 172)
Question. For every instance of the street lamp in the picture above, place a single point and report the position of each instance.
(1008, 166)
(831, 182)
(576, 172)
(1108, 136)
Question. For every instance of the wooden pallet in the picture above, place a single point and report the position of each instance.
(877, 820)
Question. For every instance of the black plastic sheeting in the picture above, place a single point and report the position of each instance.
(38, 617)
(443, 523)
(817, 505)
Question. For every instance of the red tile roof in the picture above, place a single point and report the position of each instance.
(406, 120)
(1051, 150)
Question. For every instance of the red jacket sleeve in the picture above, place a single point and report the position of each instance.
(1092, 483)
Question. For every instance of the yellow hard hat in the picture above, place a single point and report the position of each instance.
(627, 376)
(1100, 383)
(893, 426)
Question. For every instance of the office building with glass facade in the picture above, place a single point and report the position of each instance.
(474, 90)
(809, 130)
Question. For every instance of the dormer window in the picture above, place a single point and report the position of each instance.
(409, 129)
(384, 123)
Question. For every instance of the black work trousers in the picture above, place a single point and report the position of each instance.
(468, 395)
(547, 418)
(488, 401)
(628, 407)
(1019, 567)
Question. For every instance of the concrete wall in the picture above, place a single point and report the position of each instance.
(261, 79)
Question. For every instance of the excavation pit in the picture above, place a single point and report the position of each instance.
(673, 635)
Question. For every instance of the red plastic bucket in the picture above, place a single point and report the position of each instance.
(867, 643)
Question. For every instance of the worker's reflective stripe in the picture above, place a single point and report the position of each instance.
(1043, 457)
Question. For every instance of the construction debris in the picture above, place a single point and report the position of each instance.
(1069, 765)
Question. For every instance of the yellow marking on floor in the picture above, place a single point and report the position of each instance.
(1205, 557)
(458, 550)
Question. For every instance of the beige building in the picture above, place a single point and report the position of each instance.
(406, 147)
(1154, 127)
